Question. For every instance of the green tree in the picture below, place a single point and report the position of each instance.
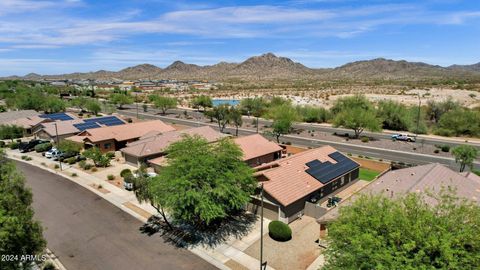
(465, 155)
(436, 109)
(394, 115)
(376, 232)
(80, 103)
(164, 103)
(120, 99)
(202, 102)
(203, 182)
(459, 122)
(68, 146)
(254, 107)
(10, 132)
(93, 106)
(221, 114)
(19, 232)
(236, 119)
(311, 114)
(352, 102)
(53, 104)
(98, 158)
(283, 117)
(357, 119)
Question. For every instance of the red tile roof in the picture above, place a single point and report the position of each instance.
(287, 179)
(256, 145)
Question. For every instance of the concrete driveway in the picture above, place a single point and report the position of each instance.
(87, 232)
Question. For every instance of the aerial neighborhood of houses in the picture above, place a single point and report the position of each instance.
(302, 188)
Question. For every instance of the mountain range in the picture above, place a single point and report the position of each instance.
(270, 66)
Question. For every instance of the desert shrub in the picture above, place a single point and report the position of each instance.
(43, 147)
(110, 177)
(436, 151)
(56, 166)
(48, 266)
(110, 155)
(2, 144)
(125, 172)
(74, 174)
(14, 145)
(445, 148)
(365, 139)
(70, 160)
(94, 169)
(279, 231)
(24, 157)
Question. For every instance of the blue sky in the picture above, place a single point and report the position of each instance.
(62, 36)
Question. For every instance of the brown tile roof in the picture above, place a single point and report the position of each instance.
(125, 132)
(431, 177)
(6, 117)
(287, 180)
(28, 122)
(64, 127)
(155, 142)
(256, 145)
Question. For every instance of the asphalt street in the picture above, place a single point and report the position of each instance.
(386, 154)
(87, 232)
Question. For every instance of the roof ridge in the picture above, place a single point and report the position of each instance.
(423, 175)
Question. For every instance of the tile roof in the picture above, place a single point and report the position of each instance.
(63, 127)
(6, 117)
(431, 177)
(28, 122)
(287, 180)
(155, 142)
(125, 132)
(256, 145)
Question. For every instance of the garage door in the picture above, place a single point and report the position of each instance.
(270, 211)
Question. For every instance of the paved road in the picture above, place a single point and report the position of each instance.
(87, 232)
(328, 129)
(386, 154)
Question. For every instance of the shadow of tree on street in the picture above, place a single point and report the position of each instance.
(185, 235)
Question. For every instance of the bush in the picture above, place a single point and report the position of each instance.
(24, 157)
(94, 169)
(14, 145)
(110, 177)
(436, 151)
(279, 231)
(2, 144)
(74, 174)
(70, 160)
(110, 155)
(56, 166)
(125, 172)
(445, 148)
(43, 147)
(365, 139)
(49, 266)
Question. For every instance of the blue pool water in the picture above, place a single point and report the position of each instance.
(231, 102)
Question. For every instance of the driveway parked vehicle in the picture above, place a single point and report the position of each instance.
(52, 152)
(403, 137)
(25, 147)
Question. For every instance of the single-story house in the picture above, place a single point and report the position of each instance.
(257, 150)
(7, 117)
(311, 176)
(153, 144)
(113, 138)
(31, 124)
(430, 177)
(68, 128)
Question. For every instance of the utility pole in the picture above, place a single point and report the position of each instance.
(418, 114)
(56, 132)
(136, 102)
(261, 227)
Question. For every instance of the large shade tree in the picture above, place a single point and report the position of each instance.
(202, 182)
(20, 233)
(358, 120)
(376, 232)
(465, 155)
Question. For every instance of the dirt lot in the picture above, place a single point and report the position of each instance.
(298, 253)
(372, 164)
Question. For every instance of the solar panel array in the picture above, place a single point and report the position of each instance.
(84, 126)
(57, 116)
(97, 122)
(107, 121)
(327, 171)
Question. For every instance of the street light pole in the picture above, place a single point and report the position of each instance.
(261, 226)
(56, 133)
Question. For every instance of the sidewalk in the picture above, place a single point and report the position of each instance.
(219, 256)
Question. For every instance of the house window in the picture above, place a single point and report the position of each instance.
(107, 145)
(342, 180)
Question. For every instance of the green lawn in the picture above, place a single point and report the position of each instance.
(368, 175)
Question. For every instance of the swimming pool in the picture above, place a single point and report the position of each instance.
(231, 102)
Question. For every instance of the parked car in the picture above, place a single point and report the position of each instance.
(128, 185)
(147, 174)
(25, 147)
(51, 153)
(403, 137)
(64, 155)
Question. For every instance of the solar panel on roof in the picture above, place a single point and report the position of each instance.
(327, 171)
(84, 126)
(107, 121)
(57, 116)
